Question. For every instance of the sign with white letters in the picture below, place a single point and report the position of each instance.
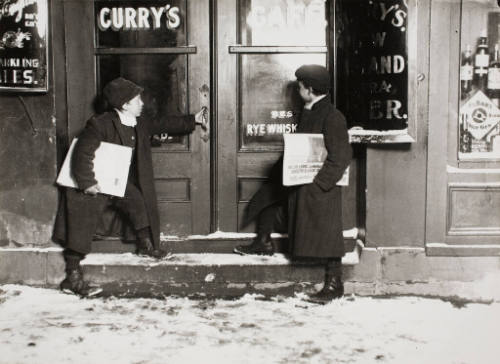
(23, 45)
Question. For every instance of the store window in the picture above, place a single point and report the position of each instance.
(479, 121)
(375, 85)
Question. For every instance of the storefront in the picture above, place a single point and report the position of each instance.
(425, 174)
(187, 55)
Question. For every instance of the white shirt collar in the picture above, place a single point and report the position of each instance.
(309, 105)
(127, 119)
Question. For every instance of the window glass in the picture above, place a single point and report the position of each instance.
(270, 101)
(283, 22)
(140, 23)
(478, 125)
(372, 63)
(164, 79)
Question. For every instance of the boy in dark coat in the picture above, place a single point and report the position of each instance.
(314, 211)
(82, 208)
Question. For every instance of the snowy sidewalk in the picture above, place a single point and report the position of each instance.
(46, 326)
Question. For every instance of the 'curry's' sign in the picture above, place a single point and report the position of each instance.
(119, 18)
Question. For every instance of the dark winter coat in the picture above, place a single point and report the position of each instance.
(314, 210)
(84, 209)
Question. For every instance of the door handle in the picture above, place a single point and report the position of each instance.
(205, 104)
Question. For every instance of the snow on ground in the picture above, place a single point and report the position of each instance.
(46, 326)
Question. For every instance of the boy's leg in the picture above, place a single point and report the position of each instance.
(74, 276)
(333, 287)
(82, 214)
(262, 244)
(133, 205)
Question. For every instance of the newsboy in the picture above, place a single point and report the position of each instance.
(81, 208)
(313, 211)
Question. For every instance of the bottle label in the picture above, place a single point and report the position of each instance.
(482, 60)
(494, 78)
(466, 72)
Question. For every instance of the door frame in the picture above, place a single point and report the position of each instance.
(81, 90)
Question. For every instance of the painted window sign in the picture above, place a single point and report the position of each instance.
(282, 122)
(140, 23)
(23, 45)
(373, 63)
(283, 22)
(138, 17)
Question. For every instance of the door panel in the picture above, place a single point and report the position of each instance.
(170, 58)
(257, 97)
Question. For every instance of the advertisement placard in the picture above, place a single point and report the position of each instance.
(23, 45)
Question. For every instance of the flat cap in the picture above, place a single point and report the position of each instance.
(120, 91)
(315, 76)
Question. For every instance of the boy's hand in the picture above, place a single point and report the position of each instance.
(201, 116)
(92, 190)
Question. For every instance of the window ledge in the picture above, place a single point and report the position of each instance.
(357, 135)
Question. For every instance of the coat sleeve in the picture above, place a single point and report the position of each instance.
(172, 125)
(339, 151)
(83, 155)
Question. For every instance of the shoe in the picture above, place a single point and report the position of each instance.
(145, 248)
(74, 283)
(332, 289)
(262, 245)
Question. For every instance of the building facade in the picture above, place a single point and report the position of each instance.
(416, 80)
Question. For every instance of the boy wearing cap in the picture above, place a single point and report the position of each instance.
(314, 210)
(82, 208)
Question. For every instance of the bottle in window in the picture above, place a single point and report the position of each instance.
(494, 78)
(481, 62)
(465, 138)
(466, 73)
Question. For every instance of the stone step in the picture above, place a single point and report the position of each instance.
(205, 275)
(218, 243)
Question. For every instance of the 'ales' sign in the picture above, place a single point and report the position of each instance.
(23, 45)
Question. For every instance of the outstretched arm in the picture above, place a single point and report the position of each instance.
(178, 124)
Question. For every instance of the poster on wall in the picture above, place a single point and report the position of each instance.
(23, 45)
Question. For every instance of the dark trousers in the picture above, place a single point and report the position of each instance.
(274, 218)
(86, 210)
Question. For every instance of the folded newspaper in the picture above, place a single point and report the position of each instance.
(303, 157)
(111, 166)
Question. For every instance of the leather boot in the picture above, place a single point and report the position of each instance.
(262, 245)
(74, 283)
(332, 289)
(146, 248)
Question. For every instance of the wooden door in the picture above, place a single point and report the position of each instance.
(165, 48)
(260, 44)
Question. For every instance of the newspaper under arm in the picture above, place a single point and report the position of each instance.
(111, 167)
(304, 156)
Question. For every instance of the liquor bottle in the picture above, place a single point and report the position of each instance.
(481, 62)
(494, 78)
(466, 73)
(465, 138)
